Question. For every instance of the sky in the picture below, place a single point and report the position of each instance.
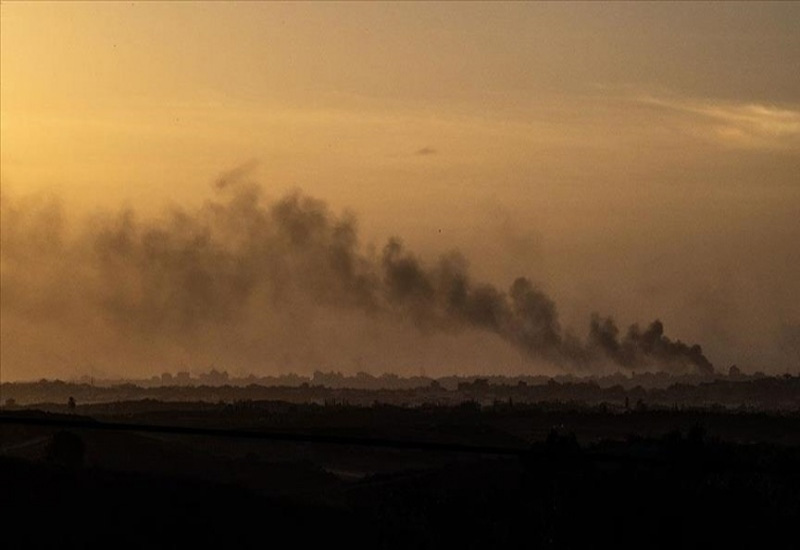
(635, 160)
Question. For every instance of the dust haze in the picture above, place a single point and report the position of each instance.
(263, 286)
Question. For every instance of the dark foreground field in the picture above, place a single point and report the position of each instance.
(516, 476)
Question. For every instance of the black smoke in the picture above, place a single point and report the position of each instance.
(238, 256)
(645, 348)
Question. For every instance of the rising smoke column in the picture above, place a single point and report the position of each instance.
(237, 257)
(525, 317)
(648, 347)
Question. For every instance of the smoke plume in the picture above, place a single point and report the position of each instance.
(239, 258)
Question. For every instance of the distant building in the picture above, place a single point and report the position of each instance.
(215, 378)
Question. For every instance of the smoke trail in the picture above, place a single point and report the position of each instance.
(650, 347)
(237, 257)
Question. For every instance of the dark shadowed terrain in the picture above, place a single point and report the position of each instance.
(481, 465)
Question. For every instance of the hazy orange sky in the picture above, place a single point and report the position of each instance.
(641, 160)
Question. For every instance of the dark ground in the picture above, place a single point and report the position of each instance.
(583, 478)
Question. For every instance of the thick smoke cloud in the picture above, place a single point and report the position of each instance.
(650, 345)
(238, 257)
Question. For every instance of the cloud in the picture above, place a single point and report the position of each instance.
(734, 124)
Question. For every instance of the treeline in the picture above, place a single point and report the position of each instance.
(780, 393)
(391, 381)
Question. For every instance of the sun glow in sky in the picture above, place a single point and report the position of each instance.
(637, 159)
